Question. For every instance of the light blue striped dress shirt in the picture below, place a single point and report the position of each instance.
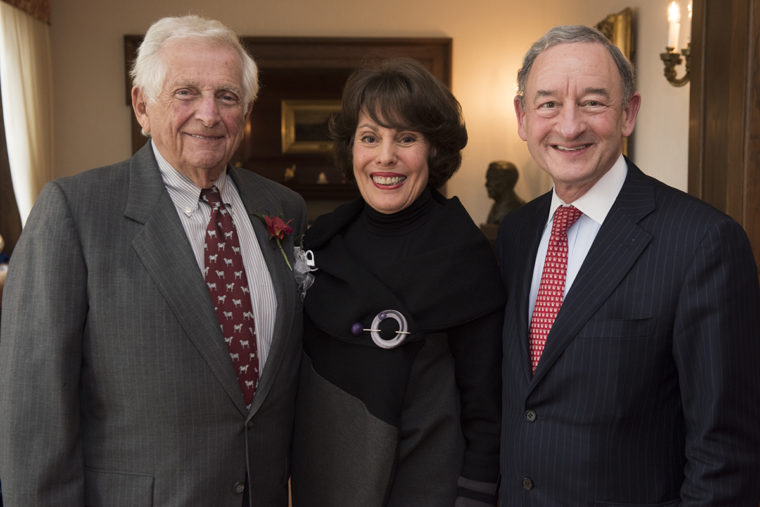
(194, 215)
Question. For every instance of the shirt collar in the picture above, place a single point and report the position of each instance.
(598, 200)
(184, 193)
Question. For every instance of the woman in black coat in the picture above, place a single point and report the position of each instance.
(399, 397)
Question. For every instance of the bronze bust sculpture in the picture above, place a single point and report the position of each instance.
(501, 178)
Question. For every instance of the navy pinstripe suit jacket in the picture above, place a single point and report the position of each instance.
(648, 390)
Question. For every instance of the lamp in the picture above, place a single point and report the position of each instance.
(671, 57)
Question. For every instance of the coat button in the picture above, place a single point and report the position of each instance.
(238, 488)
(527, 484)
(530, 415)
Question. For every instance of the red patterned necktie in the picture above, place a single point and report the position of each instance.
(552, 287)
(228, 287)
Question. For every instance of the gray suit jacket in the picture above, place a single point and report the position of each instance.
(116, 387)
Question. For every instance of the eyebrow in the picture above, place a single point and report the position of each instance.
(588, 91)
(597, 91)
(192, 83)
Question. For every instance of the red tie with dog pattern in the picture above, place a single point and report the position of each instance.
(228, 287)
(552, 287)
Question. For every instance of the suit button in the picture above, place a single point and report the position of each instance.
(530, 415)
(527, 483)
(238, 488)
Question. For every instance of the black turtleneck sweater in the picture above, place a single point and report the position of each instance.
(431, 263)
(377, 239)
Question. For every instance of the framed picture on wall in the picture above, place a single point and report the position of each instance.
(304, 125)
(618, 29)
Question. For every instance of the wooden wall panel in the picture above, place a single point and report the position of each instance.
(724, 122)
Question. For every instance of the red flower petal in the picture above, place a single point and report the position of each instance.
(277, 228)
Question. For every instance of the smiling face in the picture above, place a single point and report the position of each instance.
(197, 121)
(574, 119)
(390, 165)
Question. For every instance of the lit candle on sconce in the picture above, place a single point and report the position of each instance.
(672, 56)
(688, 39)
(674, 19)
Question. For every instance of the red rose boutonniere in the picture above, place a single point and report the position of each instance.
(278, 229)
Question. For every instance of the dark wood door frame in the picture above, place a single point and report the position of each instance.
(724, 115)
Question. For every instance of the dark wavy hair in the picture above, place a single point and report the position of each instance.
(400, 93)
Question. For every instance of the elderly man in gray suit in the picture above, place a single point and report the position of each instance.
(151, 322)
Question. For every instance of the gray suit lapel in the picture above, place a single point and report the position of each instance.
(258, 200)
(163, 248)
(618, 245)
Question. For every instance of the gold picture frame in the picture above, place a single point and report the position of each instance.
(617, 28)
(304, 125)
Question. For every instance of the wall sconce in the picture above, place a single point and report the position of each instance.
(671, 57)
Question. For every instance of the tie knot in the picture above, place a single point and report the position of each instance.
(564, 218)
(211, 196)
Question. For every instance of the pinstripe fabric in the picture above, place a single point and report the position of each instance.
(116, 387)
(646, 392)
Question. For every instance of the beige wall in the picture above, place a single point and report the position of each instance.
(490, 37)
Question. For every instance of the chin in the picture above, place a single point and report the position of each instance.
(385, 207)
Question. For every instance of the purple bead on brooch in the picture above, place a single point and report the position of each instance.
(357, 329)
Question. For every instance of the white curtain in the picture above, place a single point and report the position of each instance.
(27, 94)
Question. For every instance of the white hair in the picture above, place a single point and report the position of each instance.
(149, 70)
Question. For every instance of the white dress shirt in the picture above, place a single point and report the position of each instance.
(594, 204)
(195, 214)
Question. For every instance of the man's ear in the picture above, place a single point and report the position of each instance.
(630, 112)
(139, 106)
(520, 112)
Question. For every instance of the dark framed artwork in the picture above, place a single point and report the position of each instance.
(304, 125)
(305, 76)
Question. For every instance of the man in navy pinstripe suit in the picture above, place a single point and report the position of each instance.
(647, 391)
